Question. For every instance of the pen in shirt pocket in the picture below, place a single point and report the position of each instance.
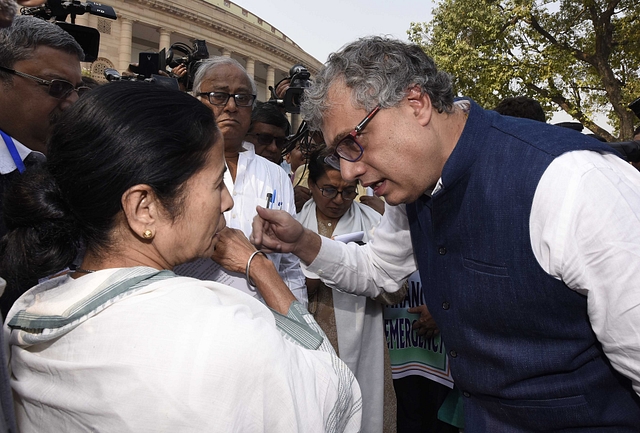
(269, 200)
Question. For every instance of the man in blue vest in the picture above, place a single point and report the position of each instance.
(526, 236)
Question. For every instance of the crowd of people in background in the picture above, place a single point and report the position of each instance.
(174, 261)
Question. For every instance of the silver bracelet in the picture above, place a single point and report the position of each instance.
(251, 283)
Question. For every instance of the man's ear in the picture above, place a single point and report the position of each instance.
(420, 104)
(141, 209)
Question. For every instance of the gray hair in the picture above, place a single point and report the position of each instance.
(378, 70)
(20, 40)
(207, 65)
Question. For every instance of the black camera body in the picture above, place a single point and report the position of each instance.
(112, 75)
(149, 63)
(191, 58)
(300, 79)
(87, 37)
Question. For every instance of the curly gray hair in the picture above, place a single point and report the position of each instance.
(378, 70)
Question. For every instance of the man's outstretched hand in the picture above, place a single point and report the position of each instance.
(277, 231)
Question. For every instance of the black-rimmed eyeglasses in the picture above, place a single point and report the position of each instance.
(348, 148)
(58, 89)
(347, 194)
(220, 99)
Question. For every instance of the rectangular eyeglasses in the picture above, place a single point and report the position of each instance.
(58, 89)
(348, 148)
(220, 99)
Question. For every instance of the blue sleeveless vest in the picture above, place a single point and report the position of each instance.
(521, 348)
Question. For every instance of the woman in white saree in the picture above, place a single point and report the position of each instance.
(121, 344)
(354, 324)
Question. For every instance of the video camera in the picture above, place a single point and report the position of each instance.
(149, 63)
(57, 11)
(299, 79)
(112, 75)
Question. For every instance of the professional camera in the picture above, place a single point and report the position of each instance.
(57, 11)
(191, 58)
(113, 75)
(299, 79)
(150, 63)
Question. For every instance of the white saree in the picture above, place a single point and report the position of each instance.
(359, 320)
(138, 350)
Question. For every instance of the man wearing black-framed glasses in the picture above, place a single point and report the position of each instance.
(526, 237)
(223, 85)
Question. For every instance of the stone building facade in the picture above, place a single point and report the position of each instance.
(228, 29)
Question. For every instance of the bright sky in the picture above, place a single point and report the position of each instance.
(322, 27)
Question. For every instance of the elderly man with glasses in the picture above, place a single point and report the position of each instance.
(526, 236)
(224, 86)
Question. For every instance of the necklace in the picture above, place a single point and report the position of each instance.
(84, 271)
(325, 228)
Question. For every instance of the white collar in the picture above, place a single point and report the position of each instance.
(6, 161)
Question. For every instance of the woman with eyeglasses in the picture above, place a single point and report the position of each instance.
(121, 343)
(354, 324)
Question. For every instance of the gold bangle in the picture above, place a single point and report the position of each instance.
(251, 283)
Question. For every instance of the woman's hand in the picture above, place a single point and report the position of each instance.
(233, 250)
(425, 325)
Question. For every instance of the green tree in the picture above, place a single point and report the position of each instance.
(583, 55)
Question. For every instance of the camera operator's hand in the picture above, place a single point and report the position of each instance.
(301, 195)
(179, 71)
(129, 72)
(282, 88)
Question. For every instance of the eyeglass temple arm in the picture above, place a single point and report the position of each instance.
(367, 119)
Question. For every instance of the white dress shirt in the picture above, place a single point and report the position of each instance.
(7, 165)
(585, 231)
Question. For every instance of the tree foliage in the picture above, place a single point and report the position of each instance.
(583, 55)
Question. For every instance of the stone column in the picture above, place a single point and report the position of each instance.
(271, 81)
(82, 20)
(251, 67)
(226, 53)
(126, 31)
(165, 39)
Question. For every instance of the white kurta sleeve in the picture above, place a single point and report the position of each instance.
(381, 265)
(585, 231)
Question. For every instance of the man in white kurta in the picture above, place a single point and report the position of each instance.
(223, 85)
